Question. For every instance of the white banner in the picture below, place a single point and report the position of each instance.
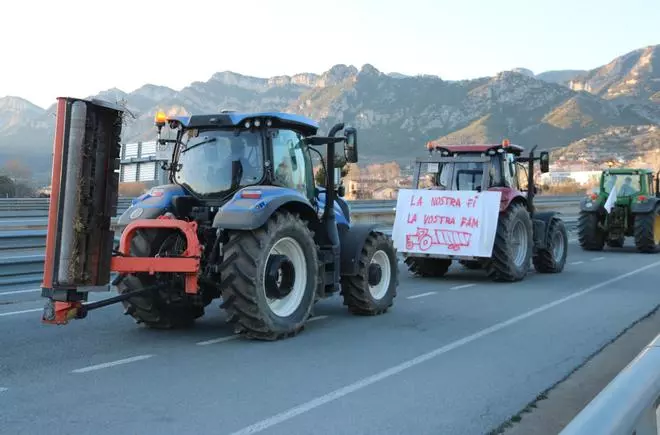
(441, 222)
(611, 200)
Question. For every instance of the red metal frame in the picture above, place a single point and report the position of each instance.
(58, 145)
(188, 263)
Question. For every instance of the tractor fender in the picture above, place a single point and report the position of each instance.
(352, 241)
(251, 207)
(542, 225)
(508, 195)
(644, 207)
(152, 204)
(588, 205)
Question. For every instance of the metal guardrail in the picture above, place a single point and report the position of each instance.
(23, 238)
(628, 404)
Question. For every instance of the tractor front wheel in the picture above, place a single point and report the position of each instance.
(513, 245)
(590, 235)
(553, 258)
(373, 289)
(428, 267)
(647, 231)
(269, 278)
(159, 309)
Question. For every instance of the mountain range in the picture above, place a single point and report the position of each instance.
(573, 110)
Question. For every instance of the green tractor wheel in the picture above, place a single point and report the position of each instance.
(647, 231)
(590, 235)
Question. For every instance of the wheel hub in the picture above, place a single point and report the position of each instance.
(280, 276)
(374, 274)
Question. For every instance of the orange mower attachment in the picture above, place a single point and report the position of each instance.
(60, 312)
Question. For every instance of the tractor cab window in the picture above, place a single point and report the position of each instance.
(206, 161)
(451, 176)
(626, 185)
(291, 167)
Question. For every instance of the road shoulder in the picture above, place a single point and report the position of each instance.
(556, 407)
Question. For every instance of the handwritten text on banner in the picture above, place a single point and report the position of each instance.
(446, 222)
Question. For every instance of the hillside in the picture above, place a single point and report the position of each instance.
(395, 114)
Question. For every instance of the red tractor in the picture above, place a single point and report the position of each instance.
(522, 235)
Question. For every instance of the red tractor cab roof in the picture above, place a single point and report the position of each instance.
(450, 150)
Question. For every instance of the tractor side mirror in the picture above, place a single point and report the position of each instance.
(351, 146)
(544, 159)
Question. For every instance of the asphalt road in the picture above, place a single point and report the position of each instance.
(457, 355)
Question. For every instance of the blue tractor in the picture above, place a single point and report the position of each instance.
(244, 211)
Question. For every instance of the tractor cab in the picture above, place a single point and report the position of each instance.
(216, 155)
(628, 184)
(474, 167)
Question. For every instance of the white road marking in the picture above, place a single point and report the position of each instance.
(16, 292)
(572, 240)
(458, 287)
(597, 258)
(13, 313)
(577, 262)
(235, 336)
(217, 340)
(365, 382)
(112, 364)
(421, 295)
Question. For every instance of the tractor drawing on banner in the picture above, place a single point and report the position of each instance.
(475, 204)
(241, 220)
(625, 205)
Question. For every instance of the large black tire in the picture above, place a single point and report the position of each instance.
(164, 309)
(590, 236)
(246, 258)
(471, 264)
(552, 259)
(382, 278)
(647, 231)
(508, 264)
(427, 267)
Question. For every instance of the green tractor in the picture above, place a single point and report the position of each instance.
(634, 212)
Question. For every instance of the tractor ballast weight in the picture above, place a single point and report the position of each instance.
(236, 225)
(635, 211)
(495, 168)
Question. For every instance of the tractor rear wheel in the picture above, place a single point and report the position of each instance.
(373, 289)
(553, 258)
(167, 308)
(513, 245)
(269, 278)
(427, 267)
(590, 236)
(647, 231)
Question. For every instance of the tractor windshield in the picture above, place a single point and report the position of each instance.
(626, 185)
(207, 158)
(460, 175)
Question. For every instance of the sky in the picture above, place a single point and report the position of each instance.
(78, 48)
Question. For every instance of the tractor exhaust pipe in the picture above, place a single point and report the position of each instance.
(328, 209)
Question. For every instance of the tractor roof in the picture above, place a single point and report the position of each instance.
(476, 148)
(236, 119)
